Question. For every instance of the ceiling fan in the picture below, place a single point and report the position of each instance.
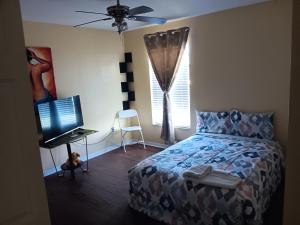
(121, 12)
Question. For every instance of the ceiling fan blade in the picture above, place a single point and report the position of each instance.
(78, 25)
(80, 11)
(148, 19)
(140, 10)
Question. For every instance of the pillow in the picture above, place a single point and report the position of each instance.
(258, 125)
(213, 122)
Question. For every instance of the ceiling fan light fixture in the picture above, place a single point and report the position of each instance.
(121, 12)
(122, 26)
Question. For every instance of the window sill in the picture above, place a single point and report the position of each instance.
(176, 127)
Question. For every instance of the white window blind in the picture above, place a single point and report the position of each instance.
(179, 95)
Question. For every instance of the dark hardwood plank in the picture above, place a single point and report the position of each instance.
(99, 196)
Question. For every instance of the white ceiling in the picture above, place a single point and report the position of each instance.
(63, 11)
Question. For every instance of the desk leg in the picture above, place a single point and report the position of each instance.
(87, 154)
(70, 160)
(86, 169)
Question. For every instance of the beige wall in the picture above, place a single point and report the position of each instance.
(292, 188)
(86, 62)
(239, 58)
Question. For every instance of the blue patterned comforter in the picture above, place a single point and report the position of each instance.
(158, 189)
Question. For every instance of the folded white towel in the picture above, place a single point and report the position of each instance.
(197, 172)
(219, 178)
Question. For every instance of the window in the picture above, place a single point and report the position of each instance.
(179, 95)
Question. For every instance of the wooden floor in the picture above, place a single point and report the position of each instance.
(100, 196)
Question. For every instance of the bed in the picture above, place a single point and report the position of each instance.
(158, 189)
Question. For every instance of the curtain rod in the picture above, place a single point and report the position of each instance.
(168, 31)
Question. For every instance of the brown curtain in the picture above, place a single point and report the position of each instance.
(165, 50)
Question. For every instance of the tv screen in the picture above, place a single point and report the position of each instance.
(59, 117)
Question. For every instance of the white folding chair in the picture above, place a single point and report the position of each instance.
(127, 114)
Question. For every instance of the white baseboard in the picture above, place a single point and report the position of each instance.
(155, 144)
(105, 150)
(150, 143)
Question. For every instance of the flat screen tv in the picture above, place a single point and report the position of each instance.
(59, 117)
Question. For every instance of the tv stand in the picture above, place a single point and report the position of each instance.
(67, 139)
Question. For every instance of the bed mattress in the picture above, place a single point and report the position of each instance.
(158, 189)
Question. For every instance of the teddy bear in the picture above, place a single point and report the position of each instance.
(75, 159)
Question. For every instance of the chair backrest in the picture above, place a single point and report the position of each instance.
(128, 113)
